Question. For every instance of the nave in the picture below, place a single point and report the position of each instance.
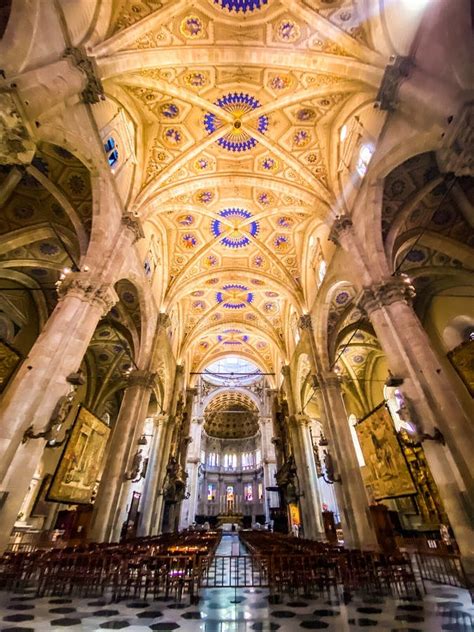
(237, 297)
(298, 605)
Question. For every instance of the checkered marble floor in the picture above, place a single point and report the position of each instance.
(442, 609)
(226, 610)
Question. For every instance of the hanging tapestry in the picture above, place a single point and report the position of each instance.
(387, 474)
(462, 359)
(81, 463)
(9, 360)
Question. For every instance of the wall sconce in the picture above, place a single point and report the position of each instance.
(392, 381)
(58, 416)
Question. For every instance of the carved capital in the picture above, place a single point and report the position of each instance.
(134, 226)
(145, 379)
(391, 291)
(94, 91)
(457, 152)
(300, 420)
(393, 76)
(285, 370)
(305, 322)
(163, 320)
(341, 226)
(160, 420)
(89, 290)
(332, 380)
(16, 147)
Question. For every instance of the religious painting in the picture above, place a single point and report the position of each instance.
(386, 471)
(9, 360)
(80, 466)
(462, 359)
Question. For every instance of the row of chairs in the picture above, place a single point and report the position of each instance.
(307, 566)
(162, 566)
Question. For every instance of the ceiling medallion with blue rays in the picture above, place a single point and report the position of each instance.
(241, 5)
(237, 104)
(234, 296)
(238, 237)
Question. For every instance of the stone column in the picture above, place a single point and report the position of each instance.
(269, 463)
(351, 497)
(189, 508)
(357, 524)
(41, 381)
(167, 446)
(131, 417)
(151, 482)
(313, 527)
(441, 421)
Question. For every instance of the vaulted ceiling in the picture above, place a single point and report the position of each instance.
(235, 103)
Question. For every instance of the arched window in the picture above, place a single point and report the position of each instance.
(366, 152)
(248, 492)
(352, 423)
(322, 271)
(111, 149)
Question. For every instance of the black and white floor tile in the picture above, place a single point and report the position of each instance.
(442, 609)
(226, 610)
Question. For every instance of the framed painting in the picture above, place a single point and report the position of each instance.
(81, 463)
(386, 474)
(9, 360)
(462, 359)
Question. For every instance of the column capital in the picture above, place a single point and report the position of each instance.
(179, 369)
(198, 421)
(16, 147)
(392, 290)
(94, 91)
(393, 76)
(191, 392)
(88, 289)
(457, 151)
(160, 419)
(330, 380)
(341, 226)
(145, 379)
(132, 222)
(300, 419)
(305, 322)
(285, 370)
(163, 320)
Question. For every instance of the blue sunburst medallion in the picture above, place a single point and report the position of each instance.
(236, 219)
(234, 296)
(237, 104)
(241, 5)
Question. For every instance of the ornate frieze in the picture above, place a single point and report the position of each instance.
(145, 379)
(130, 221)
(16, 147)
(87, 289)
(393, 76)
(305, 322)
(381, 294)
(94, 91)
(457, 153)
(163, 321)
(341, 225)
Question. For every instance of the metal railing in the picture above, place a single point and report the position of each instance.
(236, 571)
(442, 568)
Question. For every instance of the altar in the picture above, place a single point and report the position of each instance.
(226, 520)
